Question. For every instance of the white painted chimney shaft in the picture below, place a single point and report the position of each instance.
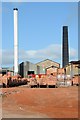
(15, 41)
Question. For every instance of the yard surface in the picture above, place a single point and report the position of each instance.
(22, 102)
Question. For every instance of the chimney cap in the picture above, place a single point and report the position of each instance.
(65, 26)
(15, 9)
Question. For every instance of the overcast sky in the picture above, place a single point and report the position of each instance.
(39, 30)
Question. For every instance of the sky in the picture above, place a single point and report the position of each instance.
(39, 31)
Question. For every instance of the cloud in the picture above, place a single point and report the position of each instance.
(50, 52)
(73, 54)
(7, 57)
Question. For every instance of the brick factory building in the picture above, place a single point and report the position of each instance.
(27, 68)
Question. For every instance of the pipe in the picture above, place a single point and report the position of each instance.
(15, 41)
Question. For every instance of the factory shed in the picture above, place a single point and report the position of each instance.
(73, 68)
(4, 71)
(48, 63)
(76, 63)
(52, 70)
(26, 68)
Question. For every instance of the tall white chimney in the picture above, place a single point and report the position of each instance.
(15, 41)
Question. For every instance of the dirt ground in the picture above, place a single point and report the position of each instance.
(20, 102)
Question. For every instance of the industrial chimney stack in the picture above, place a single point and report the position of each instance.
(15, 41)
(65, 51)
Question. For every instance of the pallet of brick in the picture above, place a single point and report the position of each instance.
(68, 82)
(24, 80)
(16, 81)
(37, 78)
(75, 80)
(16, 77)
(51, 80)
(33, 82)
(1, 80)
(0, 75)
(42, 80)
(4, 80)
